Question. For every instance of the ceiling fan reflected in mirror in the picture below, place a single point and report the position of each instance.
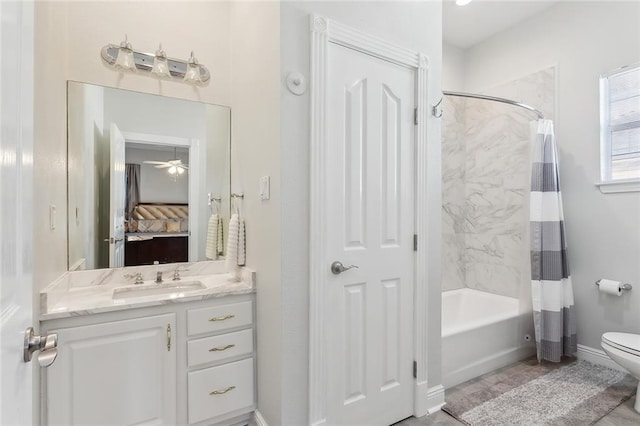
(174, 167)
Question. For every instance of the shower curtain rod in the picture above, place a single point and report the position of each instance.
(493, 98)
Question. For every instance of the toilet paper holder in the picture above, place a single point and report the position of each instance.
(625, 286)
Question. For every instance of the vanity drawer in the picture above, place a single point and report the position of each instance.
(216, 348)
(219, 390)
(216, 318)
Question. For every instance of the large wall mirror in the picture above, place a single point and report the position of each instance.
(147, 177)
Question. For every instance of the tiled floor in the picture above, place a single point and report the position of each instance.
(623, 415)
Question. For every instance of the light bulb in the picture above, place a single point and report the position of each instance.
(172, 170)
(192, 74)
(125, 60)
(160, 65)
(180, 170)
(463, 2)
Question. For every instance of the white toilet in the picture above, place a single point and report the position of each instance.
(624, 349)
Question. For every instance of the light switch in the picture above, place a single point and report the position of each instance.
(264, 188)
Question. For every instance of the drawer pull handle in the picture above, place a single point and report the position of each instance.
(223, 348)
(226, 317)
(222, 392)
(168, 337)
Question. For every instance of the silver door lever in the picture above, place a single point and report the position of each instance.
(47, 345)
(337, 267)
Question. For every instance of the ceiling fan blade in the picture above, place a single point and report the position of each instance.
(164, 166)
(154, 162)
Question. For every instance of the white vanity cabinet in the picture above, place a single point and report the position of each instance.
(228, 386)
(117, 373)
(179, 363)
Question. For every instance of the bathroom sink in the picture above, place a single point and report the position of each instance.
(177, 288)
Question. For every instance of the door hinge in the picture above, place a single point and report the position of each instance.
(415, 116)
(415, 242)
(415, 369)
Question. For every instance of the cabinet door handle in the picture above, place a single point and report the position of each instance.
(226, 317)
(223, 348)
(168, 337)
(222, 392)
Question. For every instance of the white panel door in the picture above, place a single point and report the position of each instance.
(117, 198)
(369, 208)
(16, 209)
(115, 373)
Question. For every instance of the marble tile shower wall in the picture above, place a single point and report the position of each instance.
(486, 152)
(453, 193)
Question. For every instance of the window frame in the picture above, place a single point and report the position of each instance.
(607, 184)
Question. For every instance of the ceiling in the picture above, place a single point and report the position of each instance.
(465, 26)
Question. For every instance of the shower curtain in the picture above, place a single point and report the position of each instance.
(552, 292)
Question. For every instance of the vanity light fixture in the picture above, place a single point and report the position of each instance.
(192, 75)
(124, 58)
(160, 67)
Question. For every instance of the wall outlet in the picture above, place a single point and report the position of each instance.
(265, 192)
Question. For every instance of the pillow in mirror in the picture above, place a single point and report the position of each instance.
(173, 226)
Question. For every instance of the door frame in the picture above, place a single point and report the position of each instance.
(195, 202)
(324, 31)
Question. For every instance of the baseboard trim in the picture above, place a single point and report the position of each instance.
(435, 399)
(427, 400)
(487, 365)
(597, 356)
(257, 417)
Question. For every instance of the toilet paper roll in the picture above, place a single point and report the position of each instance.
(610, 287)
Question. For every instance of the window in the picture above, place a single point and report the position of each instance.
(620, 125)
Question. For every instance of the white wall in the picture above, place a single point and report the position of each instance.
(141, 113)
(50, 141)
(68, 38)
(413, 25)
(584, 40)
(453, 68)
(255, 54)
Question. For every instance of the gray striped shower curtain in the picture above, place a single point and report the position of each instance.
(552, 293)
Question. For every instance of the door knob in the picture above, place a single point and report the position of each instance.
(47, 345)
(337, 267)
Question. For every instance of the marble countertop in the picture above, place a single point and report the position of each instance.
(91, 292)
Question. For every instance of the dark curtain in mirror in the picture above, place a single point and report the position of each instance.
(133, 188)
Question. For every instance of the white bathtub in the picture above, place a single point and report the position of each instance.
(481, 332)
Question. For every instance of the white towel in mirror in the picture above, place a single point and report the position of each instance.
(213, 236)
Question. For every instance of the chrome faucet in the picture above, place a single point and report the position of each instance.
(159, 277)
